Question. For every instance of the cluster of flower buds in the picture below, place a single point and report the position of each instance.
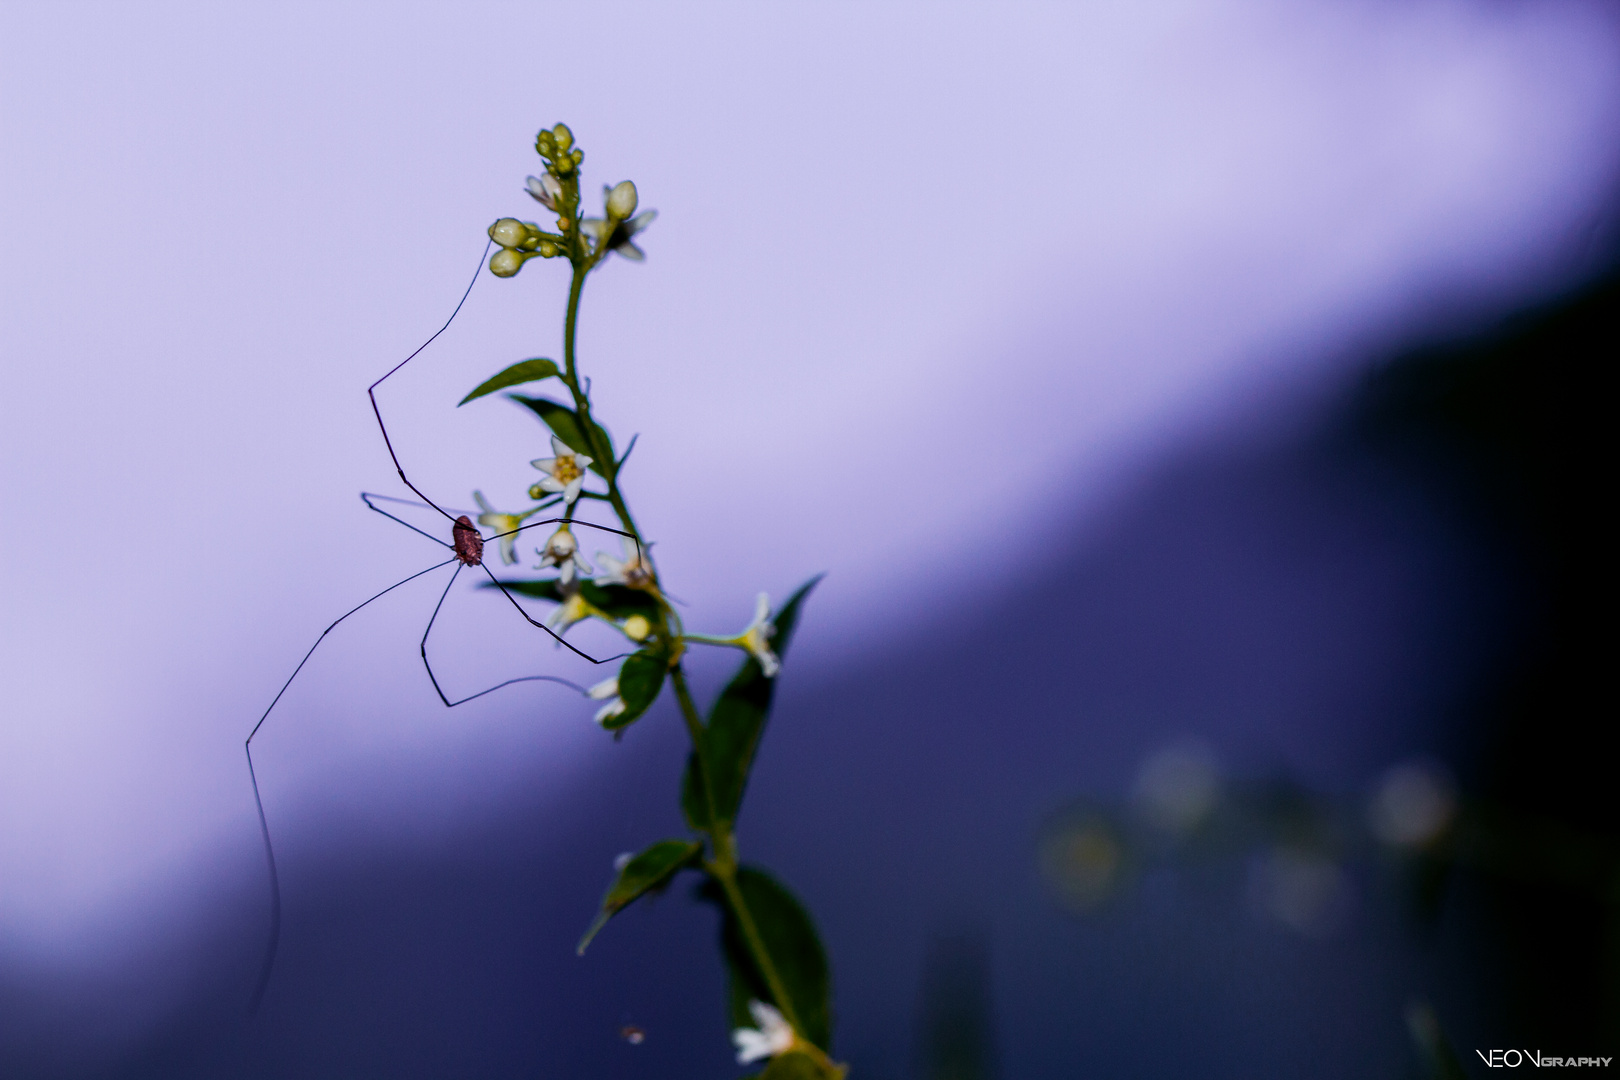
(556, 146)
(519, 241)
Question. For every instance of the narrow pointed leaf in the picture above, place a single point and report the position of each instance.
(524, 371)
(794, 947)
(564, 423)
(738, 718)
(649, 870)
(797, 1066)
(694, 800)
(541, 589)
(615, 600)
(640, 678)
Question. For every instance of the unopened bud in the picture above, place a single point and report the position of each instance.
(536, 492)
(505, 262)
(621, 201)
(509, 233)
(636, 628)
(563, 136)
(578, 157)
(545, 142)
(548, 250)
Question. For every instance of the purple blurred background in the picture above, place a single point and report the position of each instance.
(1045, 331)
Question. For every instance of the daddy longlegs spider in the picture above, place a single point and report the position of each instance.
(466, 547)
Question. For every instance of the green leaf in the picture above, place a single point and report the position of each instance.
(738, 718)
(694, 800)
(650, 870)
(565, 425)
(542, 589)
(618, 601)
(521, 372)
(798, 1066)
(795, 949)
(640, 678)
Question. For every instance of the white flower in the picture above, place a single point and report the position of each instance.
(562, 551)
(608, 689)
(614, 235)
(756, 639)
(565, 473)
(505, 526)
(632, 570)
(545, 190)
(573, 609)
(773, 1036)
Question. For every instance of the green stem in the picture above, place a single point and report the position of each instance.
(727, 877)
(723, 867)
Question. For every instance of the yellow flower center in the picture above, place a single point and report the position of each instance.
(566, 471)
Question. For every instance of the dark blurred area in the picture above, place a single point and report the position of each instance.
(996, 821)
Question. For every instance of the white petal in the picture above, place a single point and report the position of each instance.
(762, 611)
(545, 464)
(560, 448)
(571, 492)
(605, 689)
(609, 711)
(565, 571)
(641, 221)
(750, 1044)
(483, 504)
(583, 461)
(631, 252)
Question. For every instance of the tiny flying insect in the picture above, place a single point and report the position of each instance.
(466, 547)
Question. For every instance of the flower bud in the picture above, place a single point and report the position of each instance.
(636, 628)
(536, 492)
(621, 201)
(509, 232)
(545, 143)
(563, 136)
(548, 250)
(505, 262)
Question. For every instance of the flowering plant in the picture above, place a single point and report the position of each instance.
(780, 985)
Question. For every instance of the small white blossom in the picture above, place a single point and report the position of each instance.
(562, 551)
(545, 190)
(614, 235)
(606, 689)
(773, 1036)
(757, 638)
(632, 570)
(565, 473)
(505, 526)
(573, 609)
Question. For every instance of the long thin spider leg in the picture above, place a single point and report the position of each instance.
(371, 391)
(417, 502)
(568, 521)
(366, 497)
(434, 679)
(534, 622)
(258, 800)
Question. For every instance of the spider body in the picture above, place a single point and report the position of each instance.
(466, 543)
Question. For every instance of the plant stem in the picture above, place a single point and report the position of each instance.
(723, 867)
